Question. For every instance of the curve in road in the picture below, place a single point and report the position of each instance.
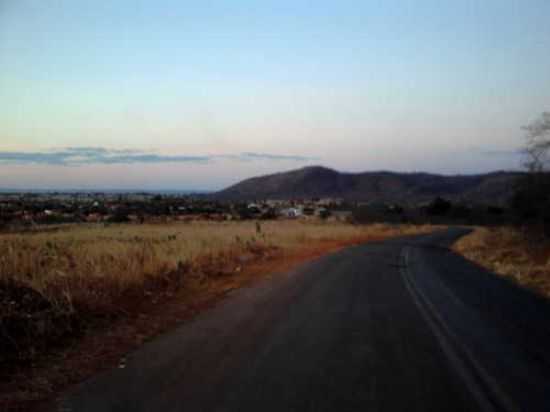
(403, 324)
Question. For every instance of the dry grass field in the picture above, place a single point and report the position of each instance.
(507, 252)
(82, 265)
(55, 284)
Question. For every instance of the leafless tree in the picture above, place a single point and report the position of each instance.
(538, 143)
(532, 196)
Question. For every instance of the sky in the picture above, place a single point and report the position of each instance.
(198, 95)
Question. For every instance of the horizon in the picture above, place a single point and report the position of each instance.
(183, 191)
(177, 96)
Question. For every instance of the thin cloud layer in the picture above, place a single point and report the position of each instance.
(268, 156)
(515, 152)
(75, 156)
(484, 151)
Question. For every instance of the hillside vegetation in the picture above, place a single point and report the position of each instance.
(408, 188)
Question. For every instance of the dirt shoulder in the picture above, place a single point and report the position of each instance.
(103, 343)
(507, 252)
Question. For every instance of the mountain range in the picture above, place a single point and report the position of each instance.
(406, 188)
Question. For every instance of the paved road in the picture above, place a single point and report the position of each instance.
(401, 325)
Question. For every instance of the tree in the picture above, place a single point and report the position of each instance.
(438, 207)
(120, 216)
(531, 199)
(538, 143)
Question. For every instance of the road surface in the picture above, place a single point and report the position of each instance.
(400, 325)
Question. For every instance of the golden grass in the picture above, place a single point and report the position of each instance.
(91, 262)
(62, 290)
(507, 252)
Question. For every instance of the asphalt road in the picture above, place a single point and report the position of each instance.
(400, 325)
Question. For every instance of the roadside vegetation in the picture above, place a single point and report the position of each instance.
(521, 249)
(57, 284)
(510, 253)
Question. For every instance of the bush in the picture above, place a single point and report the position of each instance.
(120, 216)
(438, 207)
(531, 202)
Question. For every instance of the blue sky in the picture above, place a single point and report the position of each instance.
(190, 95)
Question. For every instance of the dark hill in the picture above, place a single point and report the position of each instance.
(408, 188)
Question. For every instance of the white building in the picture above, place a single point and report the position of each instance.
(291, 212)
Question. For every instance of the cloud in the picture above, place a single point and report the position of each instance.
(254, 156)
(74, 156)
(153, 158)
(268, 156)
(497, 152)
(52, 158)
(93, 155)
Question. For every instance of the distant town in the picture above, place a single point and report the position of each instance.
(53, 208)
(20, 210)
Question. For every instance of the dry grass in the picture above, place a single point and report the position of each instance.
(75, 265)
(75, 299)
(55, 284)
(507, 252)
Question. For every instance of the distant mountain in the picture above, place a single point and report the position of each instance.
(406, 188)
